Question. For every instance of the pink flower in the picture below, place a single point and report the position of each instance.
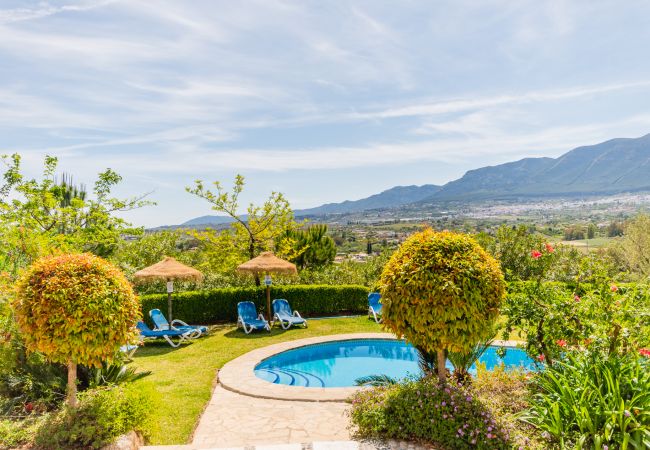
(535, 254)
(549, 248)
(645, 352)
(576, 298)
(613, 288)
(561, 343)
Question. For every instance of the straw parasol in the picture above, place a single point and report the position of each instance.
(169, 270)
(267, 263)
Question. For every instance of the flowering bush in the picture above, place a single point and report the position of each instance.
(446, 414)
(602, 316)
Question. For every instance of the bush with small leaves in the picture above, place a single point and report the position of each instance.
(442, 292)
(75, 309)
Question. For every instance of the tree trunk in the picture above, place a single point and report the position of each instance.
(71, 395)
(442, 370)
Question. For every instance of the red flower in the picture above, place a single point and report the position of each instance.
(535, 254)
(541, 358)
(561, 342)
(29, 407)
(645, 352)
(549, 248)
(576, 298)
(613, 288)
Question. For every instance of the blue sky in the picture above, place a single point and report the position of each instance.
(323, 101)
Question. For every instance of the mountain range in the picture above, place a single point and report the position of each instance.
(611, 167)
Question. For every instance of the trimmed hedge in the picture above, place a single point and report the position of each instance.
(220, 305)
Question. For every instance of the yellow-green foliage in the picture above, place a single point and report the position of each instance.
(77, 308)
(441, 291)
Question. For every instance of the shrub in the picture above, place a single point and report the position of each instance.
(219, 305)
(102, 416)
(446, 414)
(17, 433)
(75, 309)
(442, 292)
(591, 401)
(505, 393)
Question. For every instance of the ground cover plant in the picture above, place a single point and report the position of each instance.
(427, 409)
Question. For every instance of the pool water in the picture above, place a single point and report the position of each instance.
(340, 363)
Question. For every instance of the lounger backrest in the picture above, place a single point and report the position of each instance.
(159, 319)
(281, 306)
(143, 327)
(374, 299)
(246, 310)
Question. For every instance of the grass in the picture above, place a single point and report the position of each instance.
(185, 376)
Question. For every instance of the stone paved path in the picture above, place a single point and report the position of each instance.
(234, 420)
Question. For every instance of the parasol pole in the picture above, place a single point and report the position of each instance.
(170, 289)
(267, 282)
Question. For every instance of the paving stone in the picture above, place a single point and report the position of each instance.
(335, 445)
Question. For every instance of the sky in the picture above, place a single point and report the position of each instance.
(324, 101)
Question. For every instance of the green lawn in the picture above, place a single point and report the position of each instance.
(185, 376)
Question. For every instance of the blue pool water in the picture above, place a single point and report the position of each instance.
(340, 363)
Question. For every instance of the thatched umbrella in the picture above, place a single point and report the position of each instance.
(169, 270)
(267, 263)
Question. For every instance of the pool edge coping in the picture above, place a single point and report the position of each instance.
(238, 375)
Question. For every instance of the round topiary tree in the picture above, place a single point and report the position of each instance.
(442, 292)
(75, 309)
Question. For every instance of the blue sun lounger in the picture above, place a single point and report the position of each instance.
(248, 318)
(161, 323)
(148, 333)
(374, 306)
(283, 314)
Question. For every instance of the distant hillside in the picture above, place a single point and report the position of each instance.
(207, 220)
(397, 196)
(618, 165)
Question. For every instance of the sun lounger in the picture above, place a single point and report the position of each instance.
(248, 318)
(283, 314)
(374, 306)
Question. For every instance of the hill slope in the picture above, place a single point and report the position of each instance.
(397, 196)
(618, 165)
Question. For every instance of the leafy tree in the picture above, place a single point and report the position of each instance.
(75, 309)
(42, 214)
(635, 244)
(591, 231)
(615, 229)
(308, 248)
(574, 233)
(442, 292)
(511, 246)
(260, 227)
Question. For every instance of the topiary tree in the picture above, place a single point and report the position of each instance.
(442, 292)
(75, 309)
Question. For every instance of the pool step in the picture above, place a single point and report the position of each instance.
(290, 377)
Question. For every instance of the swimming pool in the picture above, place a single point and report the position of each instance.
(340, 363)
